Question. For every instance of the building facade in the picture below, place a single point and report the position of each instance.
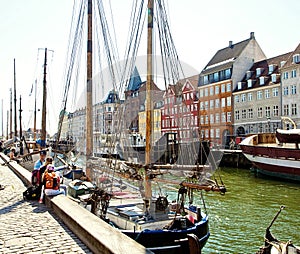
(216, 83)
(290, 80)
(257, 100)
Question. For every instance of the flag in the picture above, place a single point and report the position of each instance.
(31, 90)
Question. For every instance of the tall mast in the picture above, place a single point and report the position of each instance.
(89, 95)
(148, 190)
(34, 114)
(21, 131)
(15, 100)
(7, 116)
(10, 114)
(20, 117)
(43, 132)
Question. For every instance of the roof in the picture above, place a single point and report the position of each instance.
(135, 81)
(289, 61)
(224, 58)
(112, 97)
(264, 65)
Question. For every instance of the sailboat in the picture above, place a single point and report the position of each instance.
(155, 222)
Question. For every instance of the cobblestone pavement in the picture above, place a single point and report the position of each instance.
(30, 227)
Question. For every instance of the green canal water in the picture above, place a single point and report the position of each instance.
(239, 218)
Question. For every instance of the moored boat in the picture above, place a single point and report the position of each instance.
(274, 154)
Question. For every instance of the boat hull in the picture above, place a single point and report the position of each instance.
(273, 159)
(167, 241)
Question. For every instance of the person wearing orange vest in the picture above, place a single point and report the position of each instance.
(51, 182)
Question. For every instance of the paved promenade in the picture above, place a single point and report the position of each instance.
(30, 227)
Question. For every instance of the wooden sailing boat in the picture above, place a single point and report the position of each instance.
(150, 221)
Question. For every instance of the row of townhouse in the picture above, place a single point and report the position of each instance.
(240, 91)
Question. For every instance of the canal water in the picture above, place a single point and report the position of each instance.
(239, 218)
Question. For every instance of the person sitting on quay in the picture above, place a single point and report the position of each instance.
(51, 182)
(13, 155)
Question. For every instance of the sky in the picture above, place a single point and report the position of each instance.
(199, 29)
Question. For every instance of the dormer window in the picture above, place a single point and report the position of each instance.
(258, 72)
(239, 85)
(274, 77)
(248, 74)
(249, 83)
(271, 68)
(262, 80)
(296, 58)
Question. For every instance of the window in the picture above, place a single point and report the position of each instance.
(258, 72)
(259, 95)
(286, 90)
(259, 112)
(267, 93)
(223, 102)
(228, 116)
(212, 118)
(249, 83)
(239, 85)
(216, 76)
(228, 87)
(217, 89)
(275, 110)
(286, 110)
(293, 74)
(228, 101)
(217, 118)
(296, 58)
(227, 73)
(275, 92)
(237, 98)
(249, 96)
(201, 119)
(285, 75)
(211, 103)
(223, 117)
(201, 105)
(250, 113)
(274, 78)
(271, 68)
(223, 88)
(244, 114)
(206, 104)
(201, 93)
(217, 103)
(267, 111)
(261, 80)
(294, 109)
(211, 90)
(205, 80)
(217, 133)
(243, 97)
(206, 92)
(293, 89)
(212, 133)
(237, 115)
(248, 74)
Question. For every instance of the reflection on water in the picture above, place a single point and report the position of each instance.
(239, 218)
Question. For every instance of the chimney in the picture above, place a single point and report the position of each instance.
(252, 35)
(230, 44)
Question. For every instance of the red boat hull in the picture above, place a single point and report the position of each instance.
(273, 159)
